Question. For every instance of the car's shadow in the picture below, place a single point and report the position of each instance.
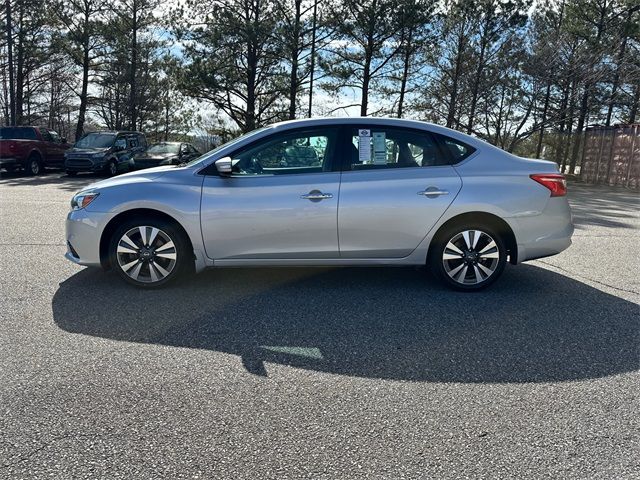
(533, 326)
(55, 178)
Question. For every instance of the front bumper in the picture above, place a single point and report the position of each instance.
(83, 165)
(83, 232)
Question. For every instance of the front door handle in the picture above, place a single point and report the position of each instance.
(432, 192)
(316, 196)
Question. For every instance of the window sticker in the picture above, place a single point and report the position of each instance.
(379, 148)
(364, 146)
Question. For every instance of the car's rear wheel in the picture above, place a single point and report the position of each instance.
(468, 257)
(148, 253)
(33, 165)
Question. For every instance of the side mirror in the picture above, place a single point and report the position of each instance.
(224, 166)
(63, 140)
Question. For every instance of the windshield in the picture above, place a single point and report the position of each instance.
(96, 140)
(224, 145)
(164, 148)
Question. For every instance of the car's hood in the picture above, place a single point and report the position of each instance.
(87, 151)
(140, 176)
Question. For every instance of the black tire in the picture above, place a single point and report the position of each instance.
(476, 263)
(71, 174)
(112, 168)
(183, 255)
(33, 165)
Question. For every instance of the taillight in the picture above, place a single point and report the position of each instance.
(555, 182)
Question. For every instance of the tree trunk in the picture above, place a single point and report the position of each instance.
(252, 66)
(313, 57)
(582, 116)
(616, 76)
(476, 88)
(19, 95)
(451, 114)
(134, 65)
(82, 110)
(544, 119)
(293, 77)
(12, 87)
(405, 72)
(366, 79)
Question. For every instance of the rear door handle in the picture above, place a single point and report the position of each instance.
(432, 192)
(316, 196)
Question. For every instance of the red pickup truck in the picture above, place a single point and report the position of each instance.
(31, 149)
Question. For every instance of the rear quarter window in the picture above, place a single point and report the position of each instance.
(457, 149)
(18, 133)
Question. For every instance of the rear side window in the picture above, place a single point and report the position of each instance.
(385, 147)
(18, 133)
(458, 150)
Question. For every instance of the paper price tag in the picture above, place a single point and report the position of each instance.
(364, 145)
(379, 148)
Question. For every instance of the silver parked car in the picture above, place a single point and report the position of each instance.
(348, 191)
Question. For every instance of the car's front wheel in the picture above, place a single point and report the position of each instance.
(112, 168)
(148, 253)
(468, 257)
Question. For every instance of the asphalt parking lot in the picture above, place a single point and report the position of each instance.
(318, 373)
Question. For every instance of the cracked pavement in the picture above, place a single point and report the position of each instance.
(318, 372)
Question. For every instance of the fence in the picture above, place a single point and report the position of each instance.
(611, 155)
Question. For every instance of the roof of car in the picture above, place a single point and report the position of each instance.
(387, 121)
(114, 132)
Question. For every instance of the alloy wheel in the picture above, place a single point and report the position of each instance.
(146, 254)
(34, 167)
(471, 257)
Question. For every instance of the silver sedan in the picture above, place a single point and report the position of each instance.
(349, 191)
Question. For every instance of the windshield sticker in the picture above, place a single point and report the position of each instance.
(364, 145)
(379, 148)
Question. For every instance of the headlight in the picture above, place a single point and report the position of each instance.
(82, 200)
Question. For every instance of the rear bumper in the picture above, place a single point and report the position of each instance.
(545, 234)
(83, 232)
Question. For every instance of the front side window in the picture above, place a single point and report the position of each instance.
(120, 143)
(46, 136)
(55, 136)
(303, 152)
(381, 148)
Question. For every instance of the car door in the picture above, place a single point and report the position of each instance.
(54, 154)
(395, 186)
(280, 202)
